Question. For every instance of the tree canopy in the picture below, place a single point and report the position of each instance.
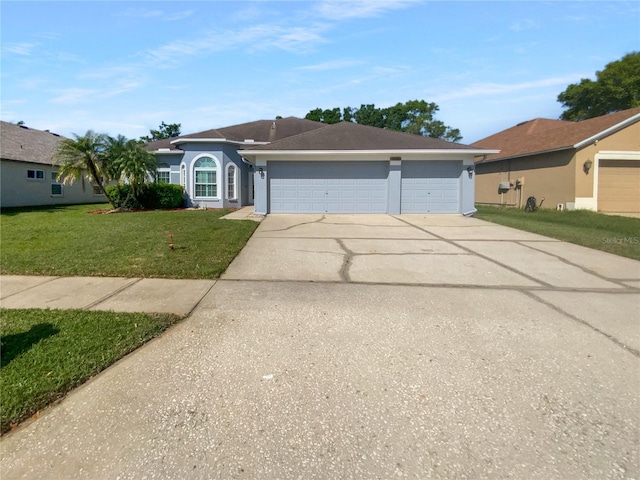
(414, 116)
(616, 88)
(103, 159)
(164, 131)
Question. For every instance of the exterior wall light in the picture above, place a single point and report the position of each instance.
(586, 166)
(470, 171)
(261, 172)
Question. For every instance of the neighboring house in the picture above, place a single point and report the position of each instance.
(593, 164)
(28, 174)
(292, 165)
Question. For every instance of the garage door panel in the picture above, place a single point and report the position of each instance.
(334, 187)
(619, 186)
(430, 187)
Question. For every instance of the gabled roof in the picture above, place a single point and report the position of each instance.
(23, 144)
(260, 131)
(348, 136)
(543, 135)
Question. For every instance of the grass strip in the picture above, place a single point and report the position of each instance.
(47, 353)
(69, 240)
(609, 233)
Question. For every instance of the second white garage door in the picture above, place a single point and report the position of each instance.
(430, 187)
(328, 187)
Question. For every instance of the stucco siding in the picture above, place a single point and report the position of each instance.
(550, 176)
(19, 191)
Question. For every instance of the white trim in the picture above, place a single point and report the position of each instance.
(440, 151)
(608, 155)
(183, 176)
(235, 181)
(171, 152)
(586, 203)
(193, 176)
(608, 131)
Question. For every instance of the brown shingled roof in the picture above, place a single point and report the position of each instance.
(258, 131)
(540, 134)
(352, 136)
(23, 144)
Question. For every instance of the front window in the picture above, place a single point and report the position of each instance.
(231, 181)
(183, 176)
(206, 178)
(164, 173)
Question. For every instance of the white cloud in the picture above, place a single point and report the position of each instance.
(332, 65)
(345, 9)
(24, 48)
(484, 89)
(74, 95)
(524, 24)
(156, 14)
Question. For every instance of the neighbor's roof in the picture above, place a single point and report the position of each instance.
(543, 135)
(23, 144)
(348, 136)
(260, 131)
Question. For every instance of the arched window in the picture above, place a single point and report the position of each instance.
(232, 182)
(205, 171)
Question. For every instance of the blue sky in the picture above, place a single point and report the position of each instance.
(124, 67)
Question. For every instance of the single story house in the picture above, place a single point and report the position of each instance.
(593, 164)
(28, 174)
(292, 165)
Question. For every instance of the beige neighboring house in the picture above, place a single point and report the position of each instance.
(28, 173)
(593, 164)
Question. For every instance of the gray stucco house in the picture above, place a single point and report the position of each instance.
(28, 174)
(292, 165)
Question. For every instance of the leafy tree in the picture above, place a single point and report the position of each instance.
(164, 131)
(128, 162)
(414, 116)
(102, 159)
(616, 88)
(83, 156)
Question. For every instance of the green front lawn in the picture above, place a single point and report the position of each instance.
(68, 240)
(609, 233)
(47, 353)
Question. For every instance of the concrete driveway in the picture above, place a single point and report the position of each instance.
(372, 347)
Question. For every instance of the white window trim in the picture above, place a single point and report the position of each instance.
(193, 177)
(54, 181)
(235, 181)
(166, 169)
(35, 178)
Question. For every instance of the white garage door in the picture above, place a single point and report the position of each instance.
(328, 187)
(430, 187)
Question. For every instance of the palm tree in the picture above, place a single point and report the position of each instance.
(83, 156)
(130, 163)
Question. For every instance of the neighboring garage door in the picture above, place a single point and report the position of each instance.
(430, 187)
(619, 186)
(328, 187)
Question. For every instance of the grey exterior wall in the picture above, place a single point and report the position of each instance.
(225, 155)
(16, 190)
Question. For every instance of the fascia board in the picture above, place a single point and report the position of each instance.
(443, 151)
(608, 131)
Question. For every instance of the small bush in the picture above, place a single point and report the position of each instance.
(152, 196)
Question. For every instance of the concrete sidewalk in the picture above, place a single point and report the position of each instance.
(149, 295)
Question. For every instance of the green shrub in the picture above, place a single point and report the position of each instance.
(152, 196)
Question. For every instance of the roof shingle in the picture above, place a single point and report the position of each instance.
(23, 144)
(540, 134)
(352, 136)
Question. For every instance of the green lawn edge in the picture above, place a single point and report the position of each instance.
(608, 233)
(45, 354)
